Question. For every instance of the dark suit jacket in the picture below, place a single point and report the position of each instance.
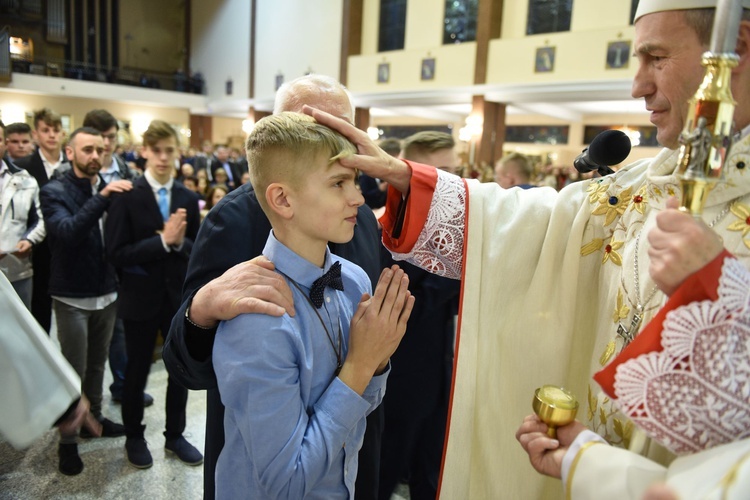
(149, 274)
(374, 197)
(203, 162)
(34, 165)
(235, 171)
(422, 366)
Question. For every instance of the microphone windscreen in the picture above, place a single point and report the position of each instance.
(609, 147)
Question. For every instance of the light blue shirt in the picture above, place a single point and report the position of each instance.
(292, 429)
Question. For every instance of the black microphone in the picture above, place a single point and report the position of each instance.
(608, 148)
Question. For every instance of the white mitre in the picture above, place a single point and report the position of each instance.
(651, 6)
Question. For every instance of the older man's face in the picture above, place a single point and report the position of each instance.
(669, 71)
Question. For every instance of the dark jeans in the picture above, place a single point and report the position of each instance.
(84, 340)
(41, 302)
(118, 360)
(140, 340)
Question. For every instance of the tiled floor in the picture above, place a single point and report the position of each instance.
(32, 473)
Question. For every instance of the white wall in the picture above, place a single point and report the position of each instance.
(293, 38)
(220, 49)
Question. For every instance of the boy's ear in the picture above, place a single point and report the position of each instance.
(278, 201)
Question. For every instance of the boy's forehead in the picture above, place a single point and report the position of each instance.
(41, 124)
(166, 142)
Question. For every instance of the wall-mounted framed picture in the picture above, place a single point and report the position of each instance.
(384, 72)
(544, 62)
(618, 54)
(428, 69)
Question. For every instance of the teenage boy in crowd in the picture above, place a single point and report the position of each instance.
(114, 168)
(18, 141)
(318, 374)
(42, 165)
(149, 236)
(21, 224)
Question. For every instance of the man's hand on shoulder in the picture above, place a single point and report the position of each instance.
(249, 287)
(119, 186)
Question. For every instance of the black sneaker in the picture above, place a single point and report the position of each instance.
(70, 463)
(137, 453)
(109, 429)
(148, 400)
(185, 451)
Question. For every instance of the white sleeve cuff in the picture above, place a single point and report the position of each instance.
(164, 244)
(584, 437)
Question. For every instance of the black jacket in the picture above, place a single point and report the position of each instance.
(124, 171)
(34, 164)
(148, 273)
(71, 215)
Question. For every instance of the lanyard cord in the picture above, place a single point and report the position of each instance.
(337, 348)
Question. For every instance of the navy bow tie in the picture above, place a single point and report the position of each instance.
(331, 278)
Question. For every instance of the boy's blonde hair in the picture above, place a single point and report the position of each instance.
(49, 117)
(281, 147)
(157, 131)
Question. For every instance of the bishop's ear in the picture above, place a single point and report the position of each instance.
(743, 44)
(277, 198)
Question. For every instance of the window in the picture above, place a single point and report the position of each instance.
(460, 24)
(537, 134)
(639, 135)
(392, 25)
(548, 16)
(404, 131)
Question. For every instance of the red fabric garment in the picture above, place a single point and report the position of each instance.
(702, 285)
(421, 189)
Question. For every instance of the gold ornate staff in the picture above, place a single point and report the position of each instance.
(707, 135)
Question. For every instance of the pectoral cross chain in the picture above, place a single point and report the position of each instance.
(629, 334)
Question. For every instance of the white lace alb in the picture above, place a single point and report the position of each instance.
(439, 247)
(695, 394)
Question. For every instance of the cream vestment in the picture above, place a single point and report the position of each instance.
(547, 280)
(38, 384)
